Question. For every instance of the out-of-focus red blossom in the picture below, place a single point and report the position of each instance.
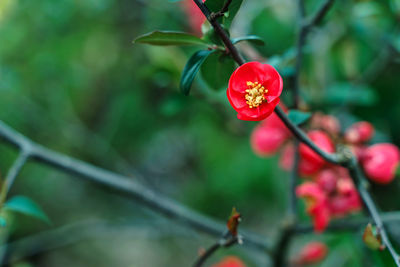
(194, 15)
(306, 167)
(359, 132)
(322, 140)
(380, 162)
(327, 123)
(230, 261)
(311, 253)
(316, 202)
(268, 137)
(254, 91)
(310, 162)
(327, 180)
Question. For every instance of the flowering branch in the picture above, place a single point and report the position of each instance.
(345, 158)
(123, 185)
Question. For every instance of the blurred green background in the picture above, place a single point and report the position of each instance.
(71, 79)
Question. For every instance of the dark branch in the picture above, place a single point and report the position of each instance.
(126, 186)
(222, 243)
(320, 14)
(350, 224)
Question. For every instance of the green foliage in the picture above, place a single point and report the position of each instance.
(217, 69)
(350, 94)
(257, 40)
(216, 5)
(27, 207)
(299, 117)
(169, 38)
(191, 68)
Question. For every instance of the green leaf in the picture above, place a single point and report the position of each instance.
(169, 38)
(217, 69)
(347, 94)
(257, 40)
(191, 69)
(216, 5)
(26, 206)
(298, 117)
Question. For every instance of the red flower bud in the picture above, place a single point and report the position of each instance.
(327, 123)
(380, 162)
(312, 253)
(306, 167)
(254, 91)
(230, 261)
(359, 132)
(322, 140)
(194, 14)
(316, 202)
(327, 180)
(269, 136)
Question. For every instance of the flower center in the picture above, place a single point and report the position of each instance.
(255, 94)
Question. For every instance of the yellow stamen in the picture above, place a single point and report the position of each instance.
(255, 94)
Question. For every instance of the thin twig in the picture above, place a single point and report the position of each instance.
(350, 224)
(223, 10)
(12, 174)
(320, 14)
(126, 186)
(222, 243)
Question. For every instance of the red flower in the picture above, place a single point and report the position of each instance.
(254, 91)
(359, 132)
(323, 141)
(194, 14)
(316, 202)
(380, 162)
(230, 261)
(306, 166)
(327, 180)
(269, 136)
(312, 253)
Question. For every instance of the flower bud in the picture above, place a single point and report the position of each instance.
(322, 140)
(380, 162)
(312, 253)
(268, 137)
(230, 261)
(359, 132)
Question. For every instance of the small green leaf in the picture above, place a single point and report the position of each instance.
(26, 206)
(192, 67)
(216, 5)
(298, 117)
(372, 239)
(217, 69)
(164, 38)
(257, 40)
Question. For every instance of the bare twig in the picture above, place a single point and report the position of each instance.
(12, 174)
(126, 186)
(350, 224)
(224, 242)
